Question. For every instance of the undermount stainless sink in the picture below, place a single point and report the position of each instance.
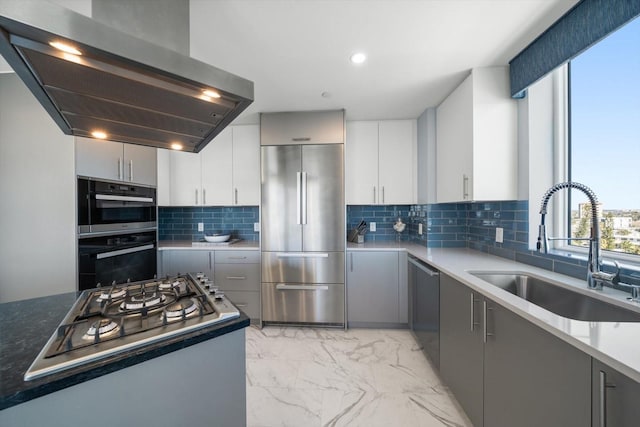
(559, 300)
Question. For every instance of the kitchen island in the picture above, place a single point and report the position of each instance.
(198, 376)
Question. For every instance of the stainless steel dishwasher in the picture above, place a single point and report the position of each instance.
(424, 307)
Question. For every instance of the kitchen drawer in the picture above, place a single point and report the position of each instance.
(303, 267)
(237, 277)
(237, 257)
(247, 301)
(308, 303)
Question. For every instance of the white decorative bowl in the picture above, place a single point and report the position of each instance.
(217, 238)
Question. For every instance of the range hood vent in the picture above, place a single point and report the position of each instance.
(129, 89)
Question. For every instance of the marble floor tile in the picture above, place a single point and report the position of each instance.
(311, 377)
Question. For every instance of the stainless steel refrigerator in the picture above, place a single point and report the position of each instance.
(303, 234)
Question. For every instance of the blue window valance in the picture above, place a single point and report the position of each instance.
(585, 24)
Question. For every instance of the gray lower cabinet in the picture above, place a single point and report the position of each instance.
(377, 293)
(237, 273)
(504, 370)
(532, 378)
(184, 261)
(614, 398)
(461, 346)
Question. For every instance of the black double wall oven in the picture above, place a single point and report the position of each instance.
(117, 232)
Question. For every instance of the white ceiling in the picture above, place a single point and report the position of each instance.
(418, 50)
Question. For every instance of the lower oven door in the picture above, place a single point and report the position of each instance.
(103, 260)
(303, 303)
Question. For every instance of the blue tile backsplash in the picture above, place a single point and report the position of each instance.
(182, 223)
(384, 216)
(472, 225)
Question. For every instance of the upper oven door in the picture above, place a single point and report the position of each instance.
(108, 206)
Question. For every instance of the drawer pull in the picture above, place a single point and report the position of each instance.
(236, 278)
(237, 257)
(302, 255)
(283, 287)
(241, 304)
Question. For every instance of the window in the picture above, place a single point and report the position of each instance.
(604, 140)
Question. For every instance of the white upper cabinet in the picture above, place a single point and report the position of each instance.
(361, 163)
(246, 165)
(217, 169)
(115, 161)
(380, 166)
(476, 128)
(185, 179)
(225, 173)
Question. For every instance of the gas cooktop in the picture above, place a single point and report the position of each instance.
(107, 321)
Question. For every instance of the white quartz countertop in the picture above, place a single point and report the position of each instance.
(242, 245)
(615, 343)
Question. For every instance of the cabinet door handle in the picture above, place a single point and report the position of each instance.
(602, 398)
(473, 312)
(196, 196)
(209, 261)
(465, 187)
(301, 139)
(119, 168)
(383, 194)
(130, 170)
(237, 257)
(374, 194)
(236, 278)
(351, 261)
(204, 196)
(486, 333)
(236, 196)
(240, 304)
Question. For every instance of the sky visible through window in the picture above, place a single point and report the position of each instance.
(605, 119)
(605, 138)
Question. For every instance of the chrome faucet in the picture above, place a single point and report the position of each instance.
(595, 277)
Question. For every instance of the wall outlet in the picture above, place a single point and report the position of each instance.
(256, 227)
(372, 226)
(420, 229)
(499, 235)
(201, 226)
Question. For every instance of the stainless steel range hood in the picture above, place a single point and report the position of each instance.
(129, 89)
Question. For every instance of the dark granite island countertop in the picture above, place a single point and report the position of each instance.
(25, 327)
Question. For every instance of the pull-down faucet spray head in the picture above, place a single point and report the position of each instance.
(593, 271)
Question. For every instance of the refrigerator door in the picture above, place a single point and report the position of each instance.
(281, 228)
(323, 198)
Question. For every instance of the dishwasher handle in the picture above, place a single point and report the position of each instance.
(424, 267)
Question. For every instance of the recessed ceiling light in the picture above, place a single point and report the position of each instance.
(326, 94)
(65, 48)
(358, 58)
(176, 146)
(99, 134)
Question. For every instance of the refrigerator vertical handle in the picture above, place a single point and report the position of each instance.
(304, 198)
(298, 198)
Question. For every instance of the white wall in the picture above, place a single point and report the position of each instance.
(37, 193)
(80, 6)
